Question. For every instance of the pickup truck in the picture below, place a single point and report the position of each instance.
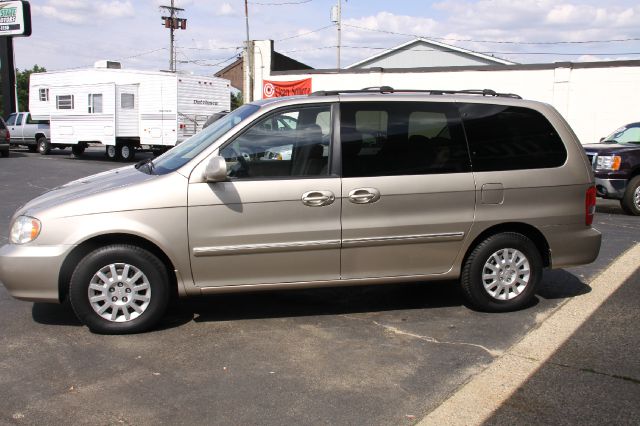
(616, 164)
(28, 132)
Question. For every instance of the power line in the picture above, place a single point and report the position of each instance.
(483, 52)
(202, 63)
(495, 41)
(307, 33)
(281, 3)
(210, 48)
(498, 53)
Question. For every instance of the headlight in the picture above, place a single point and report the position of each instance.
(608, 162)
(25, 229)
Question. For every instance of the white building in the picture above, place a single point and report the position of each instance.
(421, 52)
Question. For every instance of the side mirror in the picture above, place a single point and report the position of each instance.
(601, 139)
(216, 170)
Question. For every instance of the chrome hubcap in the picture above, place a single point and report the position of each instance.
(125, 152)
(111, 151)
(636, 197)
(506, 274)
(119, 292)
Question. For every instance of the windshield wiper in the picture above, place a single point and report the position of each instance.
(146, 162)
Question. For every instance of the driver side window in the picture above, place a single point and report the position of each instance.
(288, 143)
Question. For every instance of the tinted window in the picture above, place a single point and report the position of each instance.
(510, 138)
(401, 138)
(11, 120)
(287, 143)
(19, 120)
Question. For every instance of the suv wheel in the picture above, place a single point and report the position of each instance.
(119, 289)
(630, 203)
(502, 273)
(4, 152)
(44, 147)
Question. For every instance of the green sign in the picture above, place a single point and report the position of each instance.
(15, 18)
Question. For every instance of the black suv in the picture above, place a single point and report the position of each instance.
(616, 162)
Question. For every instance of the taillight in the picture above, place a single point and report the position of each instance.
(590, 205)
(7, 136)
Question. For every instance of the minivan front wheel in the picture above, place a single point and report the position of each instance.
(502, 273)
(119, 289)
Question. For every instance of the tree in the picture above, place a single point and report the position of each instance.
(236, 100)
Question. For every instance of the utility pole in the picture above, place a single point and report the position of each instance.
(336, 18)
(249, 52)
(173, 23)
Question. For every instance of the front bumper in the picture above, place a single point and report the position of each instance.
(611, 188)
(31, 272)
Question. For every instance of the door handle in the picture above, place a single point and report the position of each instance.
(318, 198)
(364, 195)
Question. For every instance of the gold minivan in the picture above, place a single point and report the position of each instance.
(374, 186)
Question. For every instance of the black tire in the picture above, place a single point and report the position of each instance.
(473, 284)
(127, 152)
(112, 152)
(154, 279)
(4, 153)
(630, 203)
(33, 148)
(78, 150)
(44, 146)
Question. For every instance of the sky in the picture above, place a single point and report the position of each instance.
(76, 33)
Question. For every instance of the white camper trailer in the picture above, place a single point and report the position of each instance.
(124, 109)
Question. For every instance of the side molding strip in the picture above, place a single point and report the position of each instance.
(265, 248)
(405, 239)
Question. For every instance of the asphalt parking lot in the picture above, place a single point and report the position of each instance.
(380, 355)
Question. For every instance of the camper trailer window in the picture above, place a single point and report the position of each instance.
(64, 102)
(44, 95)
(95, 103)
(127, 101)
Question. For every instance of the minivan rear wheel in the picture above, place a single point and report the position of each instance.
(119, 289)
(502, 273)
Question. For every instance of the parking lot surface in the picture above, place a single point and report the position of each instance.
(365, 355)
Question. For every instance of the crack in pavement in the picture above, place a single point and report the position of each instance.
(395, 330)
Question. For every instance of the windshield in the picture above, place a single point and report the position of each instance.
(183, 153)
(629, 134)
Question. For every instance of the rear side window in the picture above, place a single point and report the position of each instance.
(401, 138)
(510, 138)
(11, 120)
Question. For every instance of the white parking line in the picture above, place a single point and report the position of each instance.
(477, 400)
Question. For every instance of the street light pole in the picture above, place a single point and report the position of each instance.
(336, 18)
(339, 29)
(249, 53)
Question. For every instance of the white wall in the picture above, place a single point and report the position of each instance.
(595, 101)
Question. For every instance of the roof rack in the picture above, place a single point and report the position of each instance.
(388, 89)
